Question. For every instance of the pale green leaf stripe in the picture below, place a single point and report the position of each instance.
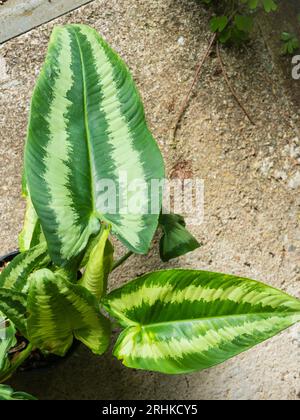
(99, 266)
(13, 305)
(93, 128)
(179, 321)
(58, 310)
(15, 275)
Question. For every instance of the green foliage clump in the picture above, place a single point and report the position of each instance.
(290, 43)
(234, 19)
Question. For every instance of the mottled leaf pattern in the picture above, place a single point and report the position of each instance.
(180, 321)
(15, 275)
(87, 125)
(59, 310)
(13, 305)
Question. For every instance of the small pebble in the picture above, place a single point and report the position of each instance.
(181, 41)
(280, 175)
(294, 181)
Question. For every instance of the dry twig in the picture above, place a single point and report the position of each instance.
(188, 96)
(230, 86)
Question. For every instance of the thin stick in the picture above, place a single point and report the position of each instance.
(230, 86)
(122, 260)
(188, 96)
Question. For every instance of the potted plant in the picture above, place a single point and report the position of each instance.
(87, 126)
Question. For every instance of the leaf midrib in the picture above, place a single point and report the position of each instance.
(186, 321)
(86, 122)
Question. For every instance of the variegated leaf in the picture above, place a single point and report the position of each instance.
(7, 341)
(15, 275)
(87, 133)
(99, 266)
(180, 321)
(13, 305)
(59, 310)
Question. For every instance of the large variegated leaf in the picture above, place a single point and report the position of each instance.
(176, 240)
(99, 266)
(15, 275)
(13, 305)
(59, 310)
(8, 394)
(180, 321)
(87, 138)
(7, 341)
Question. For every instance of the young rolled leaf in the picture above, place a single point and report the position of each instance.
(87, 133)
(13, 305)
(60, 310)
(31, 234)
(7, 341)
(181, 321)
(99, 266)
(15, 275)
(94, 240)
(176, 240)
(8, 394)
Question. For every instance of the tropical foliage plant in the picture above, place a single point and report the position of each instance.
(87, 124)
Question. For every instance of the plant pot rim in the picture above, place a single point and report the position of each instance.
(9, 257)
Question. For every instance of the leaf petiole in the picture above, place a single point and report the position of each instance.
(122, 260)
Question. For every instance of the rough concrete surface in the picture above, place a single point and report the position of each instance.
(251, 174)
(18, 16)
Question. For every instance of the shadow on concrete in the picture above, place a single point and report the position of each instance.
(83, 377)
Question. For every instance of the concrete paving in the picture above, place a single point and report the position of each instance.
(251, 174)
(19, 16)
